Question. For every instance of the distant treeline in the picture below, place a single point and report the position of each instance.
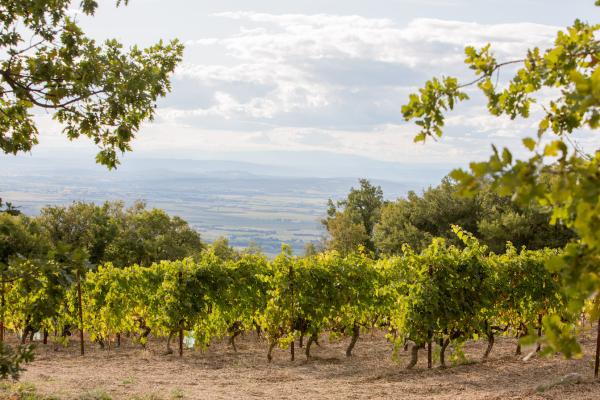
(124, 236)
(365, 218)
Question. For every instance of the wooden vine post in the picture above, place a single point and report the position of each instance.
(429, 354)
(180, 342)
(2, 303)
(181, 321)
(597, 361)
(80, 302)
(429, 334)
(293, 316)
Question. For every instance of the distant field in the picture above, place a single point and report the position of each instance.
(219, 373)
(248, 208)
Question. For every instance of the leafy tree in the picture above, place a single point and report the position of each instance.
(223, 250)
(8, 208)
(493, 219)
(21, 236)
(416, 220)
(501, 221)
(346, 234)
(354, 218)
(252, 248)
(96, 90)
(310, 249)
(83, 226)
(557, 173)
(148, 236)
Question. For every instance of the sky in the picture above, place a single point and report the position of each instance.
(277, 76)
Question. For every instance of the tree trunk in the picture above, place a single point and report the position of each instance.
(81, 344)
(169, 349)
(539, 333)
(355, 335)
(523, 332)
(597, 363)
(181, 343)
(312, 338)
(232, 340)
(414, 356)
(292, 311)
(444, 345)
(490, 345)
(45, 336)
(271, 347)
(258, 331)
(144, 336)
(118, 340)
(429, 355)
(2, 302)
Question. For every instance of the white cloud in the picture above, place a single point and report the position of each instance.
(324, 67)
(297, 36)
(333, 83)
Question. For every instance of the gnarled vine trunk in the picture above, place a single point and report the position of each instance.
(312, 339)
(271, 347)
(488, 350)
(414, 356)
(443, 346)
(355, 335)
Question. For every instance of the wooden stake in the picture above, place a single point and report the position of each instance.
(429, 355)
(181, 343)
(2, 301)
(597, 363)
(81, 344)
(293, 319)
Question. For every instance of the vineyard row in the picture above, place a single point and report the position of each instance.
(442, 295)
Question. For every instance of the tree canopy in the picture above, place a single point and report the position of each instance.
(123, 236)
(493, 219)
(564, 81)
(350, 221)
(101, 91)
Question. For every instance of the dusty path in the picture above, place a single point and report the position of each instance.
(219, 373)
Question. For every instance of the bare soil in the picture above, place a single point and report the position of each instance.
(220, 373)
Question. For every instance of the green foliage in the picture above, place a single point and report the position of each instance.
(108, 303)
(22, 237)
(428, 106)
(37, 298)
(11, 360)
(346, 235)
(9, 208)
(350, 222)
(223, 250)
(444, 292)
(557, 175)
(147, 236)
(112, 233)
(83, 226)
(493, 219)
(101, 91)
(451, 288)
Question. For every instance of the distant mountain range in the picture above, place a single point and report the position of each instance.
(250, 202)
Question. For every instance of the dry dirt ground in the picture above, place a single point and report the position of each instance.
(220, 373)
